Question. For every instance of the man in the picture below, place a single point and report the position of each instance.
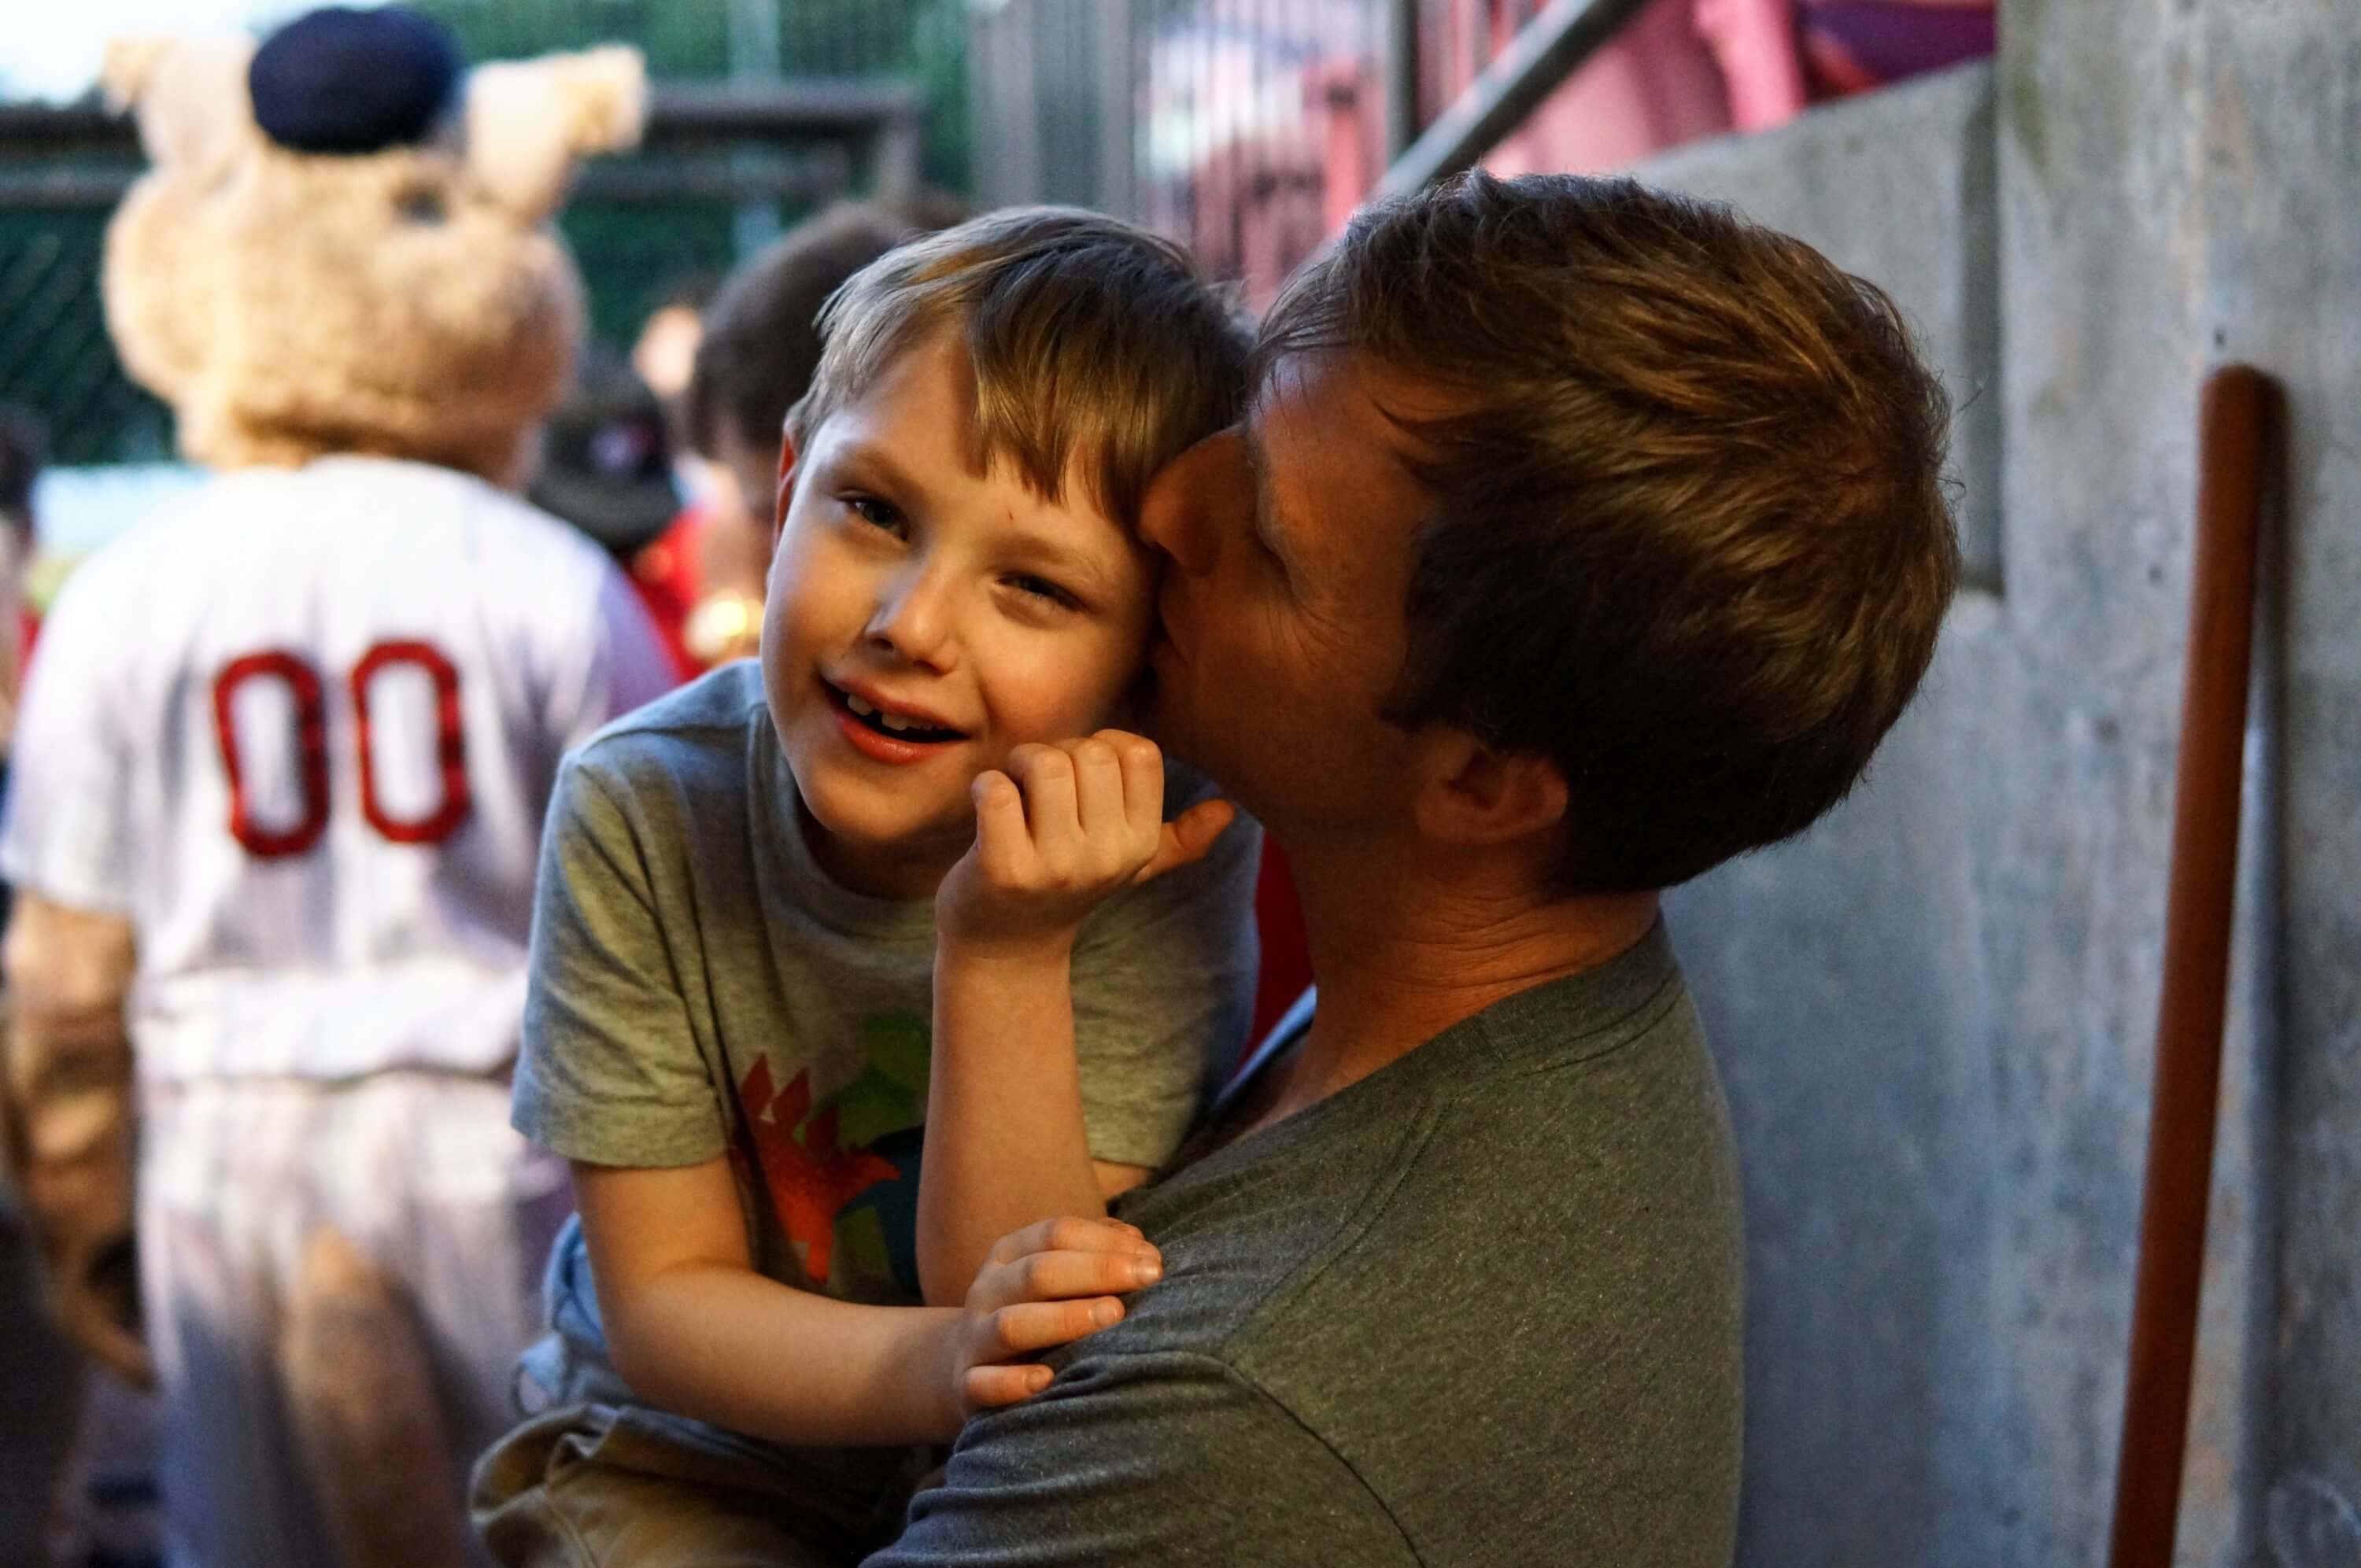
(1578, 538)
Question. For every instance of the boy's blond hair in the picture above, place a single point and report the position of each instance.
(1098, 349)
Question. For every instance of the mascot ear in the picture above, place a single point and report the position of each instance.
(529, 121)
(190, 99)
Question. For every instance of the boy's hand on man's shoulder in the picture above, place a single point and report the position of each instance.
(1059, 829)
(1047, 1285)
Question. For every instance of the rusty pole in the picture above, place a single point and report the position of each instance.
(2233, 414)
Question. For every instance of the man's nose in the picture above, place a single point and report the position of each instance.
(912, 618)
(1174, 514)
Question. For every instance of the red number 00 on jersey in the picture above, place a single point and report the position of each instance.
(307, 697)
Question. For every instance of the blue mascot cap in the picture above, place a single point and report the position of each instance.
(343, 80)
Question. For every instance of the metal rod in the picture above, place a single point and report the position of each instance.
(2233, 411)
(1399, 65)
(1549, 50)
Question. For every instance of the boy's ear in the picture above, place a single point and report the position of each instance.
(786, 478)
(1475, 796)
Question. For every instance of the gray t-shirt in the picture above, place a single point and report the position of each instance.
(1481, 1307)
(700, 986)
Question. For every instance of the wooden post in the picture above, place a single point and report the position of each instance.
(2233, 415)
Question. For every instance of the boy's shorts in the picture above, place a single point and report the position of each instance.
(594, 1485)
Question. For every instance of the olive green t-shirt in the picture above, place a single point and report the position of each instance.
(1481, 1307)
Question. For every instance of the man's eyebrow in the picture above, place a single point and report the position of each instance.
(1266, 518)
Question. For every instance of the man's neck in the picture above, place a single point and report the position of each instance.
(1402, 955)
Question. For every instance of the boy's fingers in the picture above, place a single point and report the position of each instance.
(988, 1387)
(1143, 779)
(1046, 774)
(1098, 790)
(1040, 1325)
(1187, 836)
(1070, 1233)
(1069, 1276)
(1001, 842)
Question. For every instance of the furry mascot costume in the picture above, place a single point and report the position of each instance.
(282, 767)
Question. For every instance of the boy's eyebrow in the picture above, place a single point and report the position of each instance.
(1088, 570)
(878, 460)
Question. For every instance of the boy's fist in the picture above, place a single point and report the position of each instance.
(1059, 828)
(1050, 1283)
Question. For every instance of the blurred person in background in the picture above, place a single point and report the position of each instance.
(607, 469)
(22, 448)
(1779, 57)
(664, 352)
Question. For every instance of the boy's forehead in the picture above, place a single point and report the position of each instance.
(915, 428)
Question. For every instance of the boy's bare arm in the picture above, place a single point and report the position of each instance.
(693, 1327)
(1064, 828)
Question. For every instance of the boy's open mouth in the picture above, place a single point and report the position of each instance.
(892, 725)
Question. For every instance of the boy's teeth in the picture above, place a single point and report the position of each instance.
(858, 706)
(895, 721)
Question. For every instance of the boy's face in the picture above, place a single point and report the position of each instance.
(926, 618)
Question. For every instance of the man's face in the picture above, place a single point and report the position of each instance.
(1292, 540)
(926, 616)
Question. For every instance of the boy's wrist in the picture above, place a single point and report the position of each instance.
(1004, 953)
(946, 1359)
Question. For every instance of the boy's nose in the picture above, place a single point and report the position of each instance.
(1173, 515)
(913, 620)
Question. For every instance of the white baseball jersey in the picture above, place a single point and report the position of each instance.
(301, 730)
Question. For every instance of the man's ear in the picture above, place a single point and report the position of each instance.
(1472, 795)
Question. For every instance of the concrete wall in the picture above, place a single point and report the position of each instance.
(1935, 1012)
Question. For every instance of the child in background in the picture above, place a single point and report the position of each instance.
(607, 468)
(736, 947)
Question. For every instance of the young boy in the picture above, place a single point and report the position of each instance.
(735, 949)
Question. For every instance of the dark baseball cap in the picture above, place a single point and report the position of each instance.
(345, 81)
(606, 458)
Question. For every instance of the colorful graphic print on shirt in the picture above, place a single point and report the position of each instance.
(842, 1172)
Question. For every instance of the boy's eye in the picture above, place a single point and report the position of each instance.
(1043, 589)
(877, 513)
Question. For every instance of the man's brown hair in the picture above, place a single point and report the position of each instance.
(1687, 535)
(1097, 348)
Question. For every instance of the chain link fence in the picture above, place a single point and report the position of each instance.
(706, 188)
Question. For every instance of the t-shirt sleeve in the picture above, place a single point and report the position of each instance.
(1164, 981)
(68, 834)
(1158, 1457)
(610, 1072)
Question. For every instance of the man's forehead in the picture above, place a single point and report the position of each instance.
(1346, 408)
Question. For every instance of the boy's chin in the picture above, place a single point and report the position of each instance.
(848, 835)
